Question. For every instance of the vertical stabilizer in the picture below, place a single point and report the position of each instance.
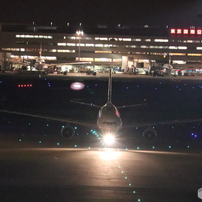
(109, 87)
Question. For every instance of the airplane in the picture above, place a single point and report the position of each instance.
(109, 120)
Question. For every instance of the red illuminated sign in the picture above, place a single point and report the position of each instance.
(199, 32)
(172, 31)
(185, 31)
(191, 31)
(179, 31)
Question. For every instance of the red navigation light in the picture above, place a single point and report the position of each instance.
(185, 31)
(192, 31)
(172, 31)
(199, 32)
(179, 31)
(24, 85)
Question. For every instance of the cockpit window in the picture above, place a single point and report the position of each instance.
(109, 122)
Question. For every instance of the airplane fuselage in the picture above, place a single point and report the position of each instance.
(109, 118)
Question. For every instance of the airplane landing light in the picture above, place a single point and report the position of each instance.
(109, 139)
(77, 86)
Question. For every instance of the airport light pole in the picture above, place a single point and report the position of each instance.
(79, 33)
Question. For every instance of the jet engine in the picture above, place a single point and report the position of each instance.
(67, 132)
(149, 134)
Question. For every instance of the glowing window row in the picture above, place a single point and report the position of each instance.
(83, 59)
(112, 39)
(62, 51)
(87, 45)
(33, 57)
(33, 36)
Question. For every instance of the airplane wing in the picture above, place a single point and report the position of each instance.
(149, 124)
(84, 103)
(135, 105)
(50, 118)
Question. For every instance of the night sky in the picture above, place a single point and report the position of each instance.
(128, 12)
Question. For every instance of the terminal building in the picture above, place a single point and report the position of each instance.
(99, 47)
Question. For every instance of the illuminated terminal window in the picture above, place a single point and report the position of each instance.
(157, 53)
(33, 36)
(113, 45)
(139, 53)
(62, 51)
(126, 39)
(107, 45)
(89, 45)
(144, 46)
(48, 57)
(172, 47)
(191, 41)
(101, 38)
(182, 47)
(178, 47)
(99, 45)
(87, 38)
(61, 44)
(117, 60)
(147, 40)
(103, 60)
(194, 54)
(161, 40)
(84, 59)
(80, 44)
(131, 46)
(11, 49)
(136, 39)
(103, 51)
(158, 47)
(198, 48)
(29, 57)
(183, 54)
(71, 44)
(180, 62)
